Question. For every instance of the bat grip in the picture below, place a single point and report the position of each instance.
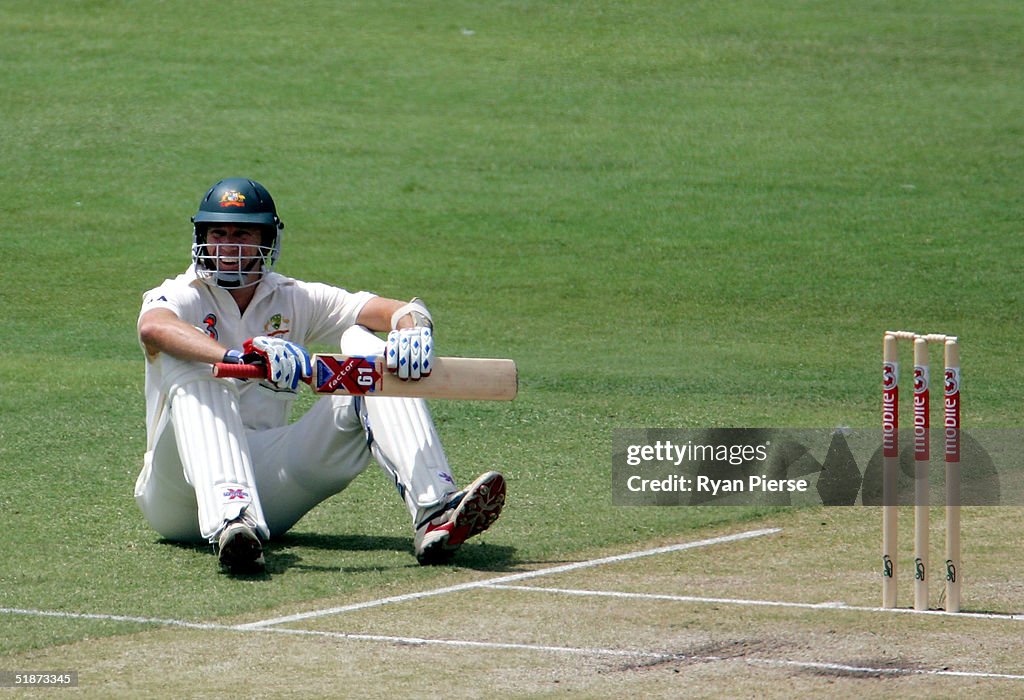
(225, 370)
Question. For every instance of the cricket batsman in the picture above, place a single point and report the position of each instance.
(223, 461)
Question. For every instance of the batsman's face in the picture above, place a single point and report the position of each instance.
(234, 248)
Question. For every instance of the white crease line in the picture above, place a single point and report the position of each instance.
(113, 618)
(422, 641)
(663, 656)
(888, 671)
(412, 641)
(766, 603)
(510, 578)
(576, 651)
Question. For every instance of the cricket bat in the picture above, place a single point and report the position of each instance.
(465, 378)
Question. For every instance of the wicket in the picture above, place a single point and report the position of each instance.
(922, 458)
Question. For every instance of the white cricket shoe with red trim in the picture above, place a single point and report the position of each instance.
(469, 512)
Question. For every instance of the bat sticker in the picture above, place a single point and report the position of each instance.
(359, 375)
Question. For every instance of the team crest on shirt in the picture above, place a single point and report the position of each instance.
(211, 325)
(232, 198)
(276, 325)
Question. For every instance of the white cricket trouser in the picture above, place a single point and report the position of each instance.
(205, 466)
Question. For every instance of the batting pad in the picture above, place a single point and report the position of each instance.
(214, 453)
(402, 436)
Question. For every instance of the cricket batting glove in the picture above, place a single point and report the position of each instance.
(410, 352)
(287, 363)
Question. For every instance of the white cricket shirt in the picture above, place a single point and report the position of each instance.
(306, 313)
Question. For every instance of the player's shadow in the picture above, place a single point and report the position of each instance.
(284, 553)
(203, 550)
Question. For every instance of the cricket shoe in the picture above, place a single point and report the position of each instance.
(239, 547)
(469, 512)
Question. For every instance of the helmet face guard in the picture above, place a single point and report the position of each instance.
(240, 202)
(223, 265)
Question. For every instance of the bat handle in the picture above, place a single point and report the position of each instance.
(225, 370)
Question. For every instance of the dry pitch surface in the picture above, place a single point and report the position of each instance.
(786, 608)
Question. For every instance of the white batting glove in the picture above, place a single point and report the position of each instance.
(410, 352)
(287, 363)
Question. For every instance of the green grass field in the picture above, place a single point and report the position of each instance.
(669, 214)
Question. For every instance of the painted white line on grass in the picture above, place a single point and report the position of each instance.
(465, 643)
(412, 641)
(112, 618)
(510, 578)
(373, 603)
(663, 656)
(831, 605)
(887, 671)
